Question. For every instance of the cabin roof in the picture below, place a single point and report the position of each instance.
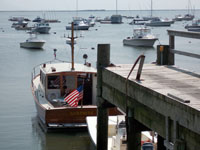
(66, 67)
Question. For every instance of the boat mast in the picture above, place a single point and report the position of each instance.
(72, 45)
(76, 8)
(116, 7)
(151, 8)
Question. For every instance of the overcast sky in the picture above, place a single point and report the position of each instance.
(95, 4)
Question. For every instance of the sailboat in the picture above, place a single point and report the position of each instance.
(151, 15)
(79, 23)
(65, 93)
(116, 19)
(186, 17)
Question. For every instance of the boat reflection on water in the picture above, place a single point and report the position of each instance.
(64, 140)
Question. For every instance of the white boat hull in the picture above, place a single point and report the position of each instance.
(85, 27)
(140, 42)
(42, 30)
(159, 24)
(35, 45)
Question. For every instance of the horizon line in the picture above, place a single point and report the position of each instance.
(97, 10)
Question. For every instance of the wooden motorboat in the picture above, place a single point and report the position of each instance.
(57, 84)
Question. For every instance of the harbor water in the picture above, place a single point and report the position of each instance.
(19, 127)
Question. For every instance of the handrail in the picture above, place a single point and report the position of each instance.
(142, 57)
(186, 34)
(33, 74)
(185, 53)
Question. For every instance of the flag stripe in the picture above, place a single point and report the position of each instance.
(73, 98)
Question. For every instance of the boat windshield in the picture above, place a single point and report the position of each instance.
(141, 32)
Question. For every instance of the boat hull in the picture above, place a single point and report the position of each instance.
(78, 27)
(194, 29)
(159, 23)
(42, 30)
(139, 42)
(34, 45)
(66, 117)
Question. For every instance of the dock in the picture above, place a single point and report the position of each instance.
(154, 97)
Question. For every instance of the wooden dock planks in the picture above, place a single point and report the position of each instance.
(165, 80)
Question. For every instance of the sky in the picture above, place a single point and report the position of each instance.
(95, 4)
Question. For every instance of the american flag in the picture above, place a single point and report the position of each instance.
(73, 98)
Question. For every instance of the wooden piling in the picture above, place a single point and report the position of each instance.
(103, 60)
(164, 55)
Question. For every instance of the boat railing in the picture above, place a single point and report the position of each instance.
(36, 70)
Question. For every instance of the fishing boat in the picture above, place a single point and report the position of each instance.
(41, 27)
(141, 37)
(65, 93)
(33, 42)
(157, 22)
(79, 24)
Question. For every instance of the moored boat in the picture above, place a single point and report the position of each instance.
(157, 22)
(33, 42)
(117, 135)
(41, 27)
(65, 93)
(141, 37)
(79, 24)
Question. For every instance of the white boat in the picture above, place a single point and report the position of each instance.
(116, 133)
(141, 37)
(195, 24)
(69, 41)
(41, 27)
(186, 17)
(79, 24)
(157, 22)
(19, 23)
(33, 42)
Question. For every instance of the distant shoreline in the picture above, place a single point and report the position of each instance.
(92, 10)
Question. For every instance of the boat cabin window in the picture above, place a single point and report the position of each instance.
(69, 83)
(53, 82)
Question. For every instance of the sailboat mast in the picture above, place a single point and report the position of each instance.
(76, 8)
(72, 45)
(116, 8)
(151, 8)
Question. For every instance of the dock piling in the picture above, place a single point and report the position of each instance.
(103, 60)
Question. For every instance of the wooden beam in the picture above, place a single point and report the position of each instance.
(186, 34)
(185, 53)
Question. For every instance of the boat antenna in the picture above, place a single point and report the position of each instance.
(54, 53)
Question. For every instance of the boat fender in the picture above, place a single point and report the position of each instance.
(52, 96)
